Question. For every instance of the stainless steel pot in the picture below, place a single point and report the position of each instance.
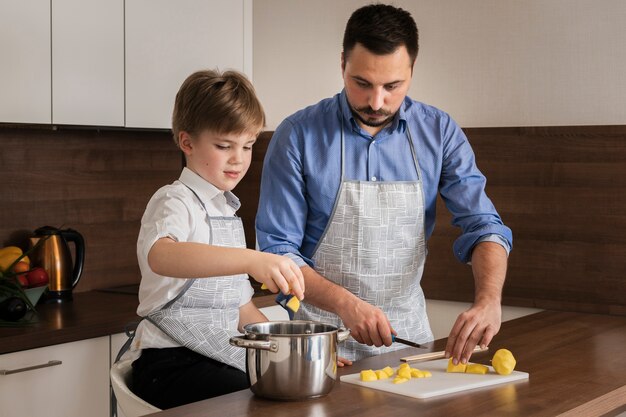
(291, 360)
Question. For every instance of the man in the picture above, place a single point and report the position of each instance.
(349, 191)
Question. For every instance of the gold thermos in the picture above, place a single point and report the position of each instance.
(53, 255)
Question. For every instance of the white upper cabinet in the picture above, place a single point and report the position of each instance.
(88, 62)
(168, 40)
(113, 62)
(25, 90)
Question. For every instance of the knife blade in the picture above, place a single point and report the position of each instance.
(395, 338)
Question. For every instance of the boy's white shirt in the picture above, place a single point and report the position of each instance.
(175, 212)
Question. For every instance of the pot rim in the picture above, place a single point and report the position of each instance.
(258, 334)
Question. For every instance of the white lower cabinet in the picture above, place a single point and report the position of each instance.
(66, 380)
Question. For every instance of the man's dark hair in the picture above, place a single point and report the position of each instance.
(381, 29)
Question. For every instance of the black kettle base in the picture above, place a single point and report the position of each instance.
(55, 297)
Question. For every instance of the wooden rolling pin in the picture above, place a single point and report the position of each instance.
(435, 355)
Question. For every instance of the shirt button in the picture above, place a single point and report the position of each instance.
(373, 178)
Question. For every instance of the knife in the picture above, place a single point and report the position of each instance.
(395, 338)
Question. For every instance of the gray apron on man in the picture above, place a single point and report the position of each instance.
(374, 246)
(205, 314)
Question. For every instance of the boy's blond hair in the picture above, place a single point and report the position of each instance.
(223, 103)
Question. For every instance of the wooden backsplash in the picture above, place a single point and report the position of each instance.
(563, 192)
(561, 189)
(94, 181)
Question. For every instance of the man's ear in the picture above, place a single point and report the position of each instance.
(343, 63)
(185, 143)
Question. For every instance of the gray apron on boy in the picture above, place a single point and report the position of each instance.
(374, 246)
(205, 314)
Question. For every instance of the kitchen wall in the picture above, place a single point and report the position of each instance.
(489, 63)
(97, 182)
(486, 62)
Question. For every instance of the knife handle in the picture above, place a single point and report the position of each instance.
(435, 355)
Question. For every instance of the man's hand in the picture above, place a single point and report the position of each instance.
(479, 324)
(367, 323)
(476, 326)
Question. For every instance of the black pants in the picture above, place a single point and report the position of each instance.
(171, 377)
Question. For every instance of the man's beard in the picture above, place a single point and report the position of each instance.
(372, 123)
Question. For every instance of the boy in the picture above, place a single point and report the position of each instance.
(194, 291)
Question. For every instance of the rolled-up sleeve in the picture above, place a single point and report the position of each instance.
(462, 188)
(282, 213)
(165, 216)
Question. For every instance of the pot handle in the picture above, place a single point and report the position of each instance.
(342, 334)
(242, 341)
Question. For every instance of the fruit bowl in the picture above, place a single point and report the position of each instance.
(34, 294)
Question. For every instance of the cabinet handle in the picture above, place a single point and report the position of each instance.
(29, 368)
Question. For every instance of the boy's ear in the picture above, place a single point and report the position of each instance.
(185, 143)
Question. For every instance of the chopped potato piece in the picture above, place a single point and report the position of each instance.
(476, 368)
(388, 370)
(427, 374)
(293, 304)
(368, 375)
(416, 373)
(404, 373)
(455, 368)
(404, 365)
(381, 374)
(399, 380)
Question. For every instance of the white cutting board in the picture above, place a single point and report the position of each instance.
(440, 383)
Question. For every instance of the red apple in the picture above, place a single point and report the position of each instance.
(23, 280)
(37, 277)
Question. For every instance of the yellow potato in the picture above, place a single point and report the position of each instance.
(476, 368)
(368, 375)
(388, 370)
(381, 374)
(404, 373)
(293, 304)
(427, 374)
(404, 365)
(399, 380)
(455, 368)
(503, 361)
(416, 373)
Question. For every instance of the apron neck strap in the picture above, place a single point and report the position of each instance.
(342, 136)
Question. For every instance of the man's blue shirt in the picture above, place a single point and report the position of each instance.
(302, 174)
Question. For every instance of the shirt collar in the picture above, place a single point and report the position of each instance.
(205, 190)
(398, 124)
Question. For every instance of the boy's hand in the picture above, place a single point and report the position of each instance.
(341, 362)
(278, 273)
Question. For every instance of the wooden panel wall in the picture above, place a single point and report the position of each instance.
(97, 182)
(563, 192)
(561, 189)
